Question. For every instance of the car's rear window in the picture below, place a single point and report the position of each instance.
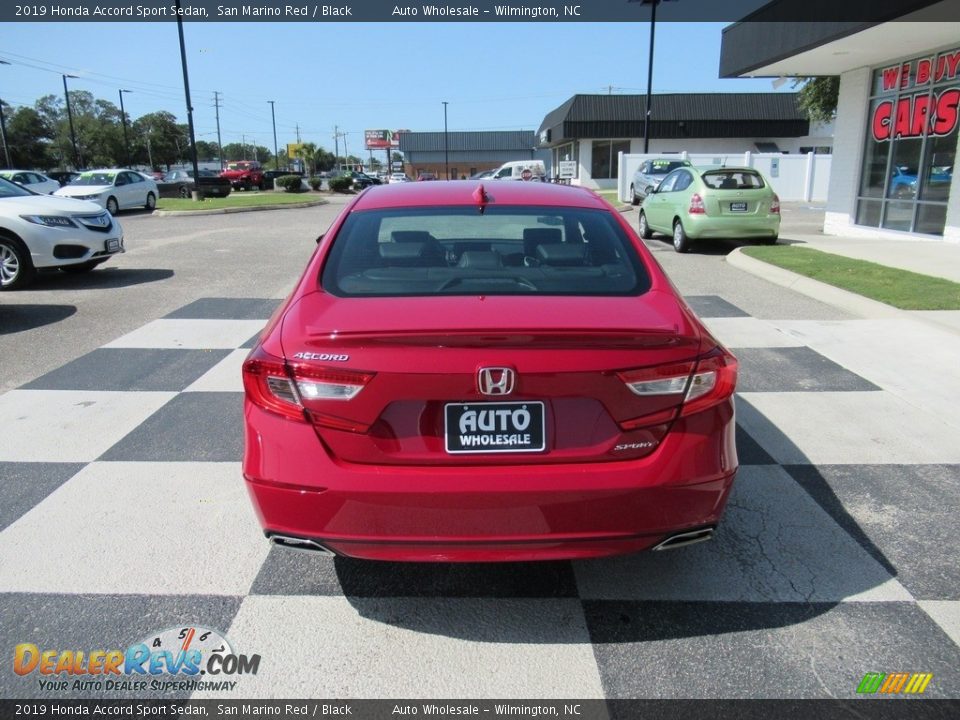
(502, 251)
(662, 167)
(733, 180)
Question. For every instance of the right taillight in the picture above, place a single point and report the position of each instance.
(697, 385)
(775, 205)
(713, 381)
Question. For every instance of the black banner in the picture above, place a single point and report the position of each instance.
(542, 11)
(859, 709)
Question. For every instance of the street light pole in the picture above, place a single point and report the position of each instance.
(276, 158)
(653, 28)
(123, 119)
(3, 128)
(73, 135)
(195, 193)
(446, 144)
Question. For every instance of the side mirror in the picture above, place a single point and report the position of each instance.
(320, 237)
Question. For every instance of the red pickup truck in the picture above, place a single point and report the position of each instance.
(244, 175)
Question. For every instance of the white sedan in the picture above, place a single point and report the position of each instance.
(32, 180)
(40, 231)
(398, 177)
(113, 189)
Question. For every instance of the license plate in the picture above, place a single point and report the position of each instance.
(494, 427)
(113, 245)
(738, 207)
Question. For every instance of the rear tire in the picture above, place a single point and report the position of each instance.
(113, 207)
(770, 240)
(634, 200)
(644, 229)
(183, 192)
(681, 243)
(151, 203)
(16, 267)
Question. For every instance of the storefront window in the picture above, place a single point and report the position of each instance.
(605, 163)
(911, 146)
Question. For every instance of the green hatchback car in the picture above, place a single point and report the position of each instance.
(696, 203)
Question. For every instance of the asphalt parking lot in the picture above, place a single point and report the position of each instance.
(125, 512)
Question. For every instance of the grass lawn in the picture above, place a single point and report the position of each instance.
(238, 199)
(611, 197)
(901, 288)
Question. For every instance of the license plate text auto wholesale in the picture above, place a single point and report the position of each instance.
(494, 427)
(738, 207)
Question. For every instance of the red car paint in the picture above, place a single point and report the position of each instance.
(374, 476)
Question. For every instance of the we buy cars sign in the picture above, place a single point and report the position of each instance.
(911, 116)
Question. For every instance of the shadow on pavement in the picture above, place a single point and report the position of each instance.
(17, 318)
(99, 278)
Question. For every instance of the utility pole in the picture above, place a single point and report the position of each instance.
(216, 105)
(243, 146)
(345, 154)
(298, 133)
(276, 158)
(73, 135)
(446, 144)
(123, 118)
(336, 146)
(195, 193)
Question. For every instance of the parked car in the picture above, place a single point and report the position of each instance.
(426, 176)
(245, 175)
(64, 177)
(40, 231)
(360, 180)
(398, 177)
(650, 174)
(483, 175)
(521, 170)
(180, 184)
(520, 383)
(32, 180)
(697, 203)
(113, 189)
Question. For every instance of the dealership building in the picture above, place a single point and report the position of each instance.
(593, 130)
(466, 153)
(896, 129)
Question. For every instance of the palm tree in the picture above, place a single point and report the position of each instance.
(308, 152)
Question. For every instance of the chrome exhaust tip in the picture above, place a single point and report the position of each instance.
(686, 538)
(301, 544)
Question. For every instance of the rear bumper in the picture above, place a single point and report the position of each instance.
(483, 513)
(710, 226)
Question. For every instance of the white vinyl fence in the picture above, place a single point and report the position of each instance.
(794, 177)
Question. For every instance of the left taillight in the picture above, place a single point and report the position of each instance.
(289, 389)
(714, 380)
(696, 205)
(775, 205)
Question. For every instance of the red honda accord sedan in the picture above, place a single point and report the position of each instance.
(499, 373)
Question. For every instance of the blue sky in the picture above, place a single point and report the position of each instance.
(358, 75)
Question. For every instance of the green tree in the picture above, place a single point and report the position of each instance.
(308, 153)
(324, 159)
(29, 138)
(160, 140)
(817, 97)
(206, 151)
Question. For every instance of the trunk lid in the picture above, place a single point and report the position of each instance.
(426, 354)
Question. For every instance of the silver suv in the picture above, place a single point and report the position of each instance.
(649, 175)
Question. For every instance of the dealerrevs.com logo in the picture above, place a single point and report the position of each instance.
(178, 659)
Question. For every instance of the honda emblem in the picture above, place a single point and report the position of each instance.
(496, 381)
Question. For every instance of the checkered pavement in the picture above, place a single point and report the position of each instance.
(124, 513)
